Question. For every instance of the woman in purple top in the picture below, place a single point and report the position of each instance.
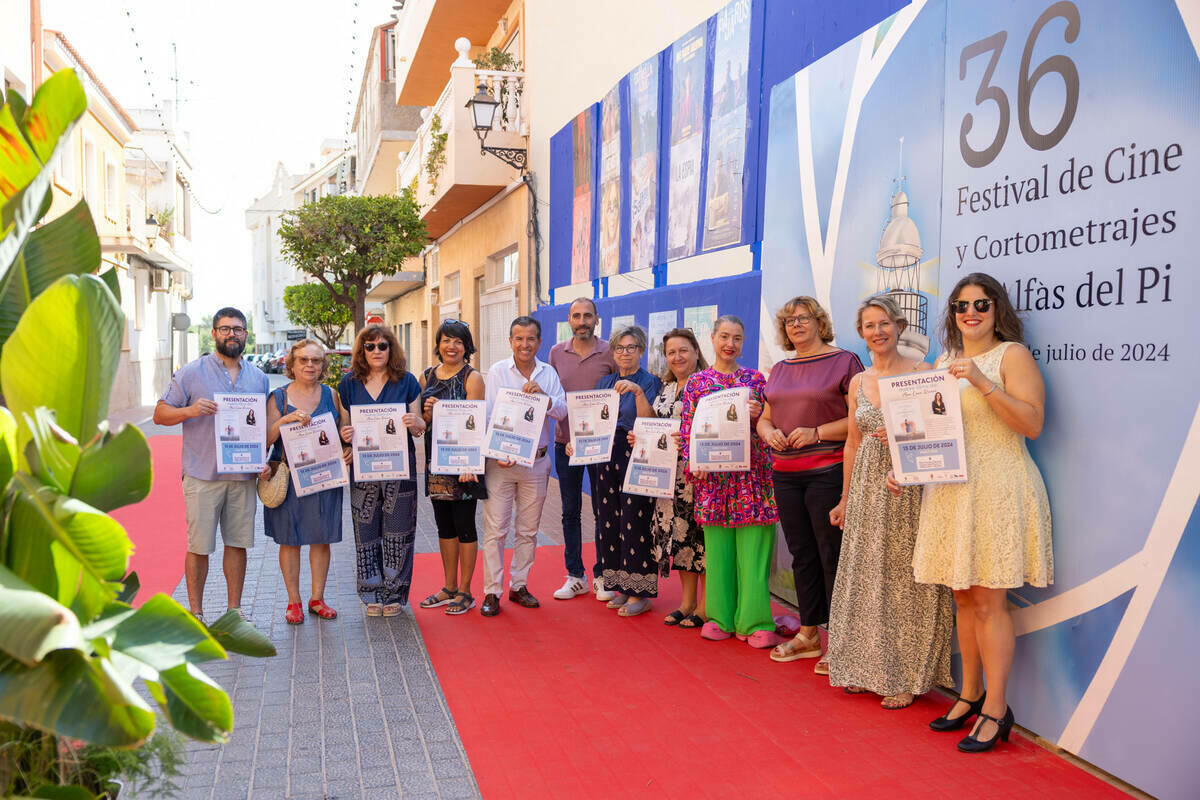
(736, 509)
(804, 420)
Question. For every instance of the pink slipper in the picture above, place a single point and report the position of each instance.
(764, 639)
(712, 631)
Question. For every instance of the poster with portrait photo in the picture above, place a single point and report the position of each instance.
(687, 134)
(610, 183)
(241, 431)
(654, 458)
(643, 164)
(727, 127)
(457, 436)
(314, 454)
(380, 442)
(720, 436)
(924, 424)
(592, 417)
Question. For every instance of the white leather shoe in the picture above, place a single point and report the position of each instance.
(572, 588)
(602, 594)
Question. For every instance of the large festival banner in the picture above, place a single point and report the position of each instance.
(687, 135)
(727, 127)
(1049, 144)
(643, 164)
(583, 141)
(610, 182)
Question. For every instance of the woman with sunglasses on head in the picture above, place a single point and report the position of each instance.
(678, 538)
(384, 512)
(624, 539)
(454, 497)
(888, 634)
(316, 519)
(804, 421)
(736, 509)
(992, 533)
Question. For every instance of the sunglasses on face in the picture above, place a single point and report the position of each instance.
(371, 346)
(982, 305)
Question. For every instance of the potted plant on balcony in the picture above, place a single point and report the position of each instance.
(72, 645)
(435, 155)
(496, 60)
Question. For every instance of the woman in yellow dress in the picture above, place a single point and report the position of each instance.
(992, 533)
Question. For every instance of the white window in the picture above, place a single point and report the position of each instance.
(450, 287)
(112, 194)
(503, 268)
(64, 173)
(90, 172)
(433, 267)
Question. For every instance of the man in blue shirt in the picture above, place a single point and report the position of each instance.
(211, 498)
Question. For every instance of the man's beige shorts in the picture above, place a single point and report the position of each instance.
(230, 503)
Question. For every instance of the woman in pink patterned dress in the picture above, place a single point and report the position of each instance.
(736, 509)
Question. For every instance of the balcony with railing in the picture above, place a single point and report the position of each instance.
(454, 177)
(133, 235)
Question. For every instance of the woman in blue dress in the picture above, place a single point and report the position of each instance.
(384, 512)
(316, 519)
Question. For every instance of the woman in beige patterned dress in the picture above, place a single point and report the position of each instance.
(992, 533)
(887, 633)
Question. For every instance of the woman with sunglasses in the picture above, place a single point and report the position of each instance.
(624, 539)
(804, 420)
(454, 497)
(384, 512)
(992, 533)
(736, 509)
(316, 519)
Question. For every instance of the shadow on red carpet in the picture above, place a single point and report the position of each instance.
(570, 700)
(158, 524)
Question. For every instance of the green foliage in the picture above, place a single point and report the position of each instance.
(497, 60)
(203, 331)
(37, 765)
(346, 241)
(335, 368)
(313, 306)
(435, 156)
(165, 217)
(71, 645)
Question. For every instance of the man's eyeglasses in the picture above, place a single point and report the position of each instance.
(236, 330)
(982, 305)
(801, 319)
(371, 346)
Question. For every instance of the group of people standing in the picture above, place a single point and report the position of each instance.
(890, 571)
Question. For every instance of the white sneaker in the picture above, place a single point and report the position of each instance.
(602, 594)
(572, 588)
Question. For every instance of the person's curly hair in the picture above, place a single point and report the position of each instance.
(807, 305)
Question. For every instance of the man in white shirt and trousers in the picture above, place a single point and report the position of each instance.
(510, 484)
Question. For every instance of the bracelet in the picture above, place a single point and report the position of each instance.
(817, 431)
(989, 391)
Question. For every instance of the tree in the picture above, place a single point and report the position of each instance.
(314, 307)
(344, 242)
(203, 331)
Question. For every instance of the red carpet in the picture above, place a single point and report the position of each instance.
(570, 700)
(158, 525)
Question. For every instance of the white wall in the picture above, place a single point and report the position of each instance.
(575, 51)
(16, 54)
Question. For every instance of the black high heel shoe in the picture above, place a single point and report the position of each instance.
(970, 744)
(945, 723)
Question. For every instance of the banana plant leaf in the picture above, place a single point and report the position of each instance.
(71, 694)
(67, 245)
(8, 449)
(53, 453)
(194, 704)
(63, 793)
(65, 548)
(160, 634)
(114, 470)
(70, 372)
(238, 636)
(33, 624)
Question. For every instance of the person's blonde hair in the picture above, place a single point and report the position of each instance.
(885, 304)
(290, 363)
(814, 310)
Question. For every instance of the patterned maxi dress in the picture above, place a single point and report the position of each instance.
(993, 530)
(887, 633)
(678, 538)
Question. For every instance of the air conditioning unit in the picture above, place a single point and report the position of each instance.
(160, 280)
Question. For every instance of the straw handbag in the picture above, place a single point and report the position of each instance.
(273, 490)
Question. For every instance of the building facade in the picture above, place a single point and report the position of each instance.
(132, 176)
(476, 207)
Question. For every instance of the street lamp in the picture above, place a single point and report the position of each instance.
(483, 108)
(151, 231)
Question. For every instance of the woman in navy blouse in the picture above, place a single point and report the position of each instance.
(624, 536)
(384, 512)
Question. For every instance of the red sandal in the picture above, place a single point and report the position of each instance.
(319, 608)
(294, 614)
